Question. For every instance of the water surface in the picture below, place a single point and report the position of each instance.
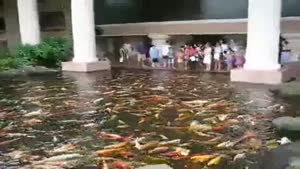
(74, 110)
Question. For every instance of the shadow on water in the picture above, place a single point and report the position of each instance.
(153, 105)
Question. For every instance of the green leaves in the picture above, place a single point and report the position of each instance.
(50, 52)
(10, 62)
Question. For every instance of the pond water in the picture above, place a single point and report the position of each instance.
(126, 119)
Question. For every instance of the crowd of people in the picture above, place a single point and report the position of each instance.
(218, 57)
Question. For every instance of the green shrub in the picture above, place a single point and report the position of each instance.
(9, 63)
(26, 53)
(50, 52)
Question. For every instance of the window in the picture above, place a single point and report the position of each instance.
(2, 25)
(3, 44)
(1, 4)
(52, 21)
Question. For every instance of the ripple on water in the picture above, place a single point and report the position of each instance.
(157, 106)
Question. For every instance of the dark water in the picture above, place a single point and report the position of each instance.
(74, 110)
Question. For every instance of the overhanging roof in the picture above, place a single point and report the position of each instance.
(219, 26)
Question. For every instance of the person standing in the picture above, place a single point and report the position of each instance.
(229, 60)
(142, 50)
(240, 59)
(192, 57)
(201, 55)
(217, 57)
(186, 56)
(165, 54)
(207, 56)
(171, 57)
(180, 58)
(154, 53)
(224, 47)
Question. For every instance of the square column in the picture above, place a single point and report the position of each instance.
(29, 22)
(84, 39)
(264, 18)
(159, 39)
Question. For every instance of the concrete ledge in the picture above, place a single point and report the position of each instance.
(85, 67)
(257, 76)
(292, 70)
(200, 27)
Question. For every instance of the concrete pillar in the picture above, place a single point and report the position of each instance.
(159, 39)
(29, 22)
(84, 39)
(262, 45)
(263, 35)
(83, 25)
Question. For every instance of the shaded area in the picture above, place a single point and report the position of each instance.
(131, 11)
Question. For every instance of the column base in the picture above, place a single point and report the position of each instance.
(258, 76)
(86, 67)
(289, 72)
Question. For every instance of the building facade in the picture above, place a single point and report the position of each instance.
(133, 20)
(133, 11)
(54, 19)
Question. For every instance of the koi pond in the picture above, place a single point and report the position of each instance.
(124, 119)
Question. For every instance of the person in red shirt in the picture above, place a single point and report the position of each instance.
(192, 57)
(191, 51)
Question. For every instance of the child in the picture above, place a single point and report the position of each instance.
(180, 58)
(194, 58)
(191, 52)
(154, 53)
(229, 59)
(207, 56)
(142, 50)
(186, 56)
(217, 56)
(201, 54)
(165, 54)
(239, 59)
(171, 57)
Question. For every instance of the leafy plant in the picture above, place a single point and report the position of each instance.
(8, 61)
(50, 52)
(26, 53)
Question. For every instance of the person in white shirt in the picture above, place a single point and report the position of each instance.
(217, 57)
(171, 55)
(165, 54)
(207, 56)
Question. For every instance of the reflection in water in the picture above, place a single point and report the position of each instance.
(84, 82)
(78, 114)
